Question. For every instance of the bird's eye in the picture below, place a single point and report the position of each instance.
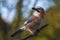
(38, 11)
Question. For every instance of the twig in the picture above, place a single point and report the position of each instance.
(36, 32)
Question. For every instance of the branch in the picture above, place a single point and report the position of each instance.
(36, 32)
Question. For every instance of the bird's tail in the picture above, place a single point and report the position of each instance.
(17, 32)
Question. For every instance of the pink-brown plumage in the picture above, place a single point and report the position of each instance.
(35, 20)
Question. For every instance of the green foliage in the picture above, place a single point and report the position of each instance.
(57, 2)
(51, 32)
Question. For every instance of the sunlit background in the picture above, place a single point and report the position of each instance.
(8, 7)
(14, 12)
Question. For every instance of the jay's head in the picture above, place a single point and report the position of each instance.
(38, 11)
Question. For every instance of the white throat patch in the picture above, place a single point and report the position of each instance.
(36, 13)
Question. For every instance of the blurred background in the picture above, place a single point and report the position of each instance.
(13, 13)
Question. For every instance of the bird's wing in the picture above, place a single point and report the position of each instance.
(28, 21)
(31, 19)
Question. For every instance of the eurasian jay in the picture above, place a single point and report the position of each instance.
(33, 22)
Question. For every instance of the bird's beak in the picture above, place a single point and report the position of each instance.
(35, 9)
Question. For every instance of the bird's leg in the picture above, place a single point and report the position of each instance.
(31, 31)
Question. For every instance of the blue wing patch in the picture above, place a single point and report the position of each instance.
(28, 21)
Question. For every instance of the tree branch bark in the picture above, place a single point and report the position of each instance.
(36, 32)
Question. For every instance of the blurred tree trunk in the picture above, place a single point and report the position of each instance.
(19, 13)
(18, 17)
(4, 28)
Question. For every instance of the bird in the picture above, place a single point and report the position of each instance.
(33, 22)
